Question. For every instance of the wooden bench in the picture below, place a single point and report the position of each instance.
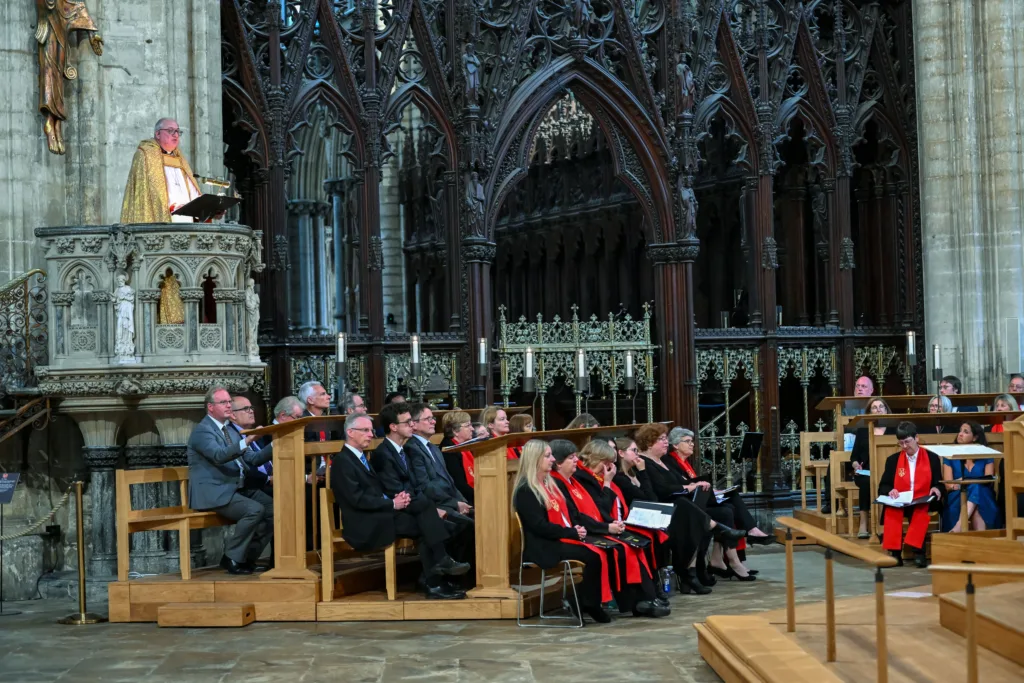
(331, 536)
(176, 518)
(813, 467)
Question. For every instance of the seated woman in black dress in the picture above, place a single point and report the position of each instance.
(635, 590)
(550, 535)
(860, 460)
(680, 440)
(690, 530)
(669, 485)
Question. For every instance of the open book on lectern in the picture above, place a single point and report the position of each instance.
(206, 206)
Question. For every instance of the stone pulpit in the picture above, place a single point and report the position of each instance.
(144, 319)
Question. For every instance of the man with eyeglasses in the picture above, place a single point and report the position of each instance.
(374, 514)
(430, 475)
(160, 180)
(220, 461)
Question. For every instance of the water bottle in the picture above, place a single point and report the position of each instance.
(666, 579)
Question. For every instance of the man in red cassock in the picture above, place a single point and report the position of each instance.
(912, 469)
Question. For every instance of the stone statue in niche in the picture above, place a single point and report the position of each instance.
(124, 330)
(471, 74)
(475, 202)
(582, 12)
(57, 20)
(687, 207)
(81, 288)
(252, 321)
(687, 86)
(171, 310)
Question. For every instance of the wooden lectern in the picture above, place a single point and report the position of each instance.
(290, 455)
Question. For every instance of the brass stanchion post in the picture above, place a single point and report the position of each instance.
(81, 616)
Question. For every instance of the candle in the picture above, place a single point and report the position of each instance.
(581, 362)
(911, 344)
(415, 341)
(482, 358)
(629, 363)
(341, 347)
(529, 361)
(936, 356)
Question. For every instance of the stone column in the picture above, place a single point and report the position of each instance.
(61, 317)
(149, 300)
(969, 56)
(147, 555)
(191, 297)
(101, 455)
(478, 256)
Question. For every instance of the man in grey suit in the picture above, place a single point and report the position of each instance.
(218, 461)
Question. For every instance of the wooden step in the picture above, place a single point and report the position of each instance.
(206, 614)
(767, 652)
(999, 618)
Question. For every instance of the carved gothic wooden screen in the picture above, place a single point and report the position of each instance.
(461, 142)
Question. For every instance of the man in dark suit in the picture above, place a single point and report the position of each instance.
(430, 476)
(371, 517)
(243, 417)
(219, 461)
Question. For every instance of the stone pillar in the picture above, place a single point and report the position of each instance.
(101, 455)
(478, 256)
(191, 298)
(149, 300)
(147, 554)
(971, 121)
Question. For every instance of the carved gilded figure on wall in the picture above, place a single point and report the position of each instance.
(57, 20)
(171, 310)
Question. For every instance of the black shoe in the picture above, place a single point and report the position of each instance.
(234, 567)
(826, 508)
(663, 602)
(701, 572)
(442, 592)
(597, 614)
(920, 560)
(760, 540)
(730, 573)
(450, 567)
(687, 583)
(898, 554)
(728, 537)
(753, 572)
(650, 608)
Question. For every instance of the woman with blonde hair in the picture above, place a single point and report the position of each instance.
(495, 419)
(551, 535)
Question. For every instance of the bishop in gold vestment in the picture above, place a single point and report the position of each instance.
(160, 180)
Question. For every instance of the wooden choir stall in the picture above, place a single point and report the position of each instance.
(302, 586)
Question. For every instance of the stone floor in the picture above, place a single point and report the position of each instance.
(34, 649)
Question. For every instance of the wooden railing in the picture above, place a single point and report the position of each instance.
(833, 543)
(970, 627)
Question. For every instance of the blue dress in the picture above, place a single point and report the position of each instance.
(982, 495)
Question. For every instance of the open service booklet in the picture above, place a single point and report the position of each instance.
(650, 515)
(904, 500)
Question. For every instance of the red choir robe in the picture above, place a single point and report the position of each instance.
(558, 513)
(892, 536)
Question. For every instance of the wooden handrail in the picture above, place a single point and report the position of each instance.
(832, 544)
(840, 545)
(978, 568)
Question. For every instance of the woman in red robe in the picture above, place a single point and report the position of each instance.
(912, 469)
(551, 534)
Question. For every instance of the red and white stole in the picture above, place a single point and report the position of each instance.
(892, 538)
(558, 513)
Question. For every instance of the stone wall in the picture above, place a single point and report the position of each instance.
(970, 72)
(160, 59)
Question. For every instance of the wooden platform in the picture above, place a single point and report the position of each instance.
(141, 600)
(988, 547)
(758, 648)
(206, 614)
(999, 612)
(812, 517)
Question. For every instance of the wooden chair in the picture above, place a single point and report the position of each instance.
(331, 535)
(568, 578)
(844, 493)
(176, 518)
(809, 466)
